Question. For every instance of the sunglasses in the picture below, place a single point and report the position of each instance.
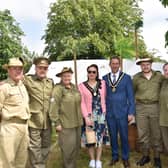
(93, 72)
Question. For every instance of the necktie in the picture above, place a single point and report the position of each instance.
(114, 78)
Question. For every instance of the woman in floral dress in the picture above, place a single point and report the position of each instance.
(93, 111)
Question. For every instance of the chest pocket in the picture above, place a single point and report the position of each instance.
(48, 89)
(15, 97)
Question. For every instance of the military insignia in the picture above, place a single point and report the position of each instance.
(114, 85)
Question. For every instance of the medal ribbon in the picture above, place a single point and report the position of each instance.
(91, 89)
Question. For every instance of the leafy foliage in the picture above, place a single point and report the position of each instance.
(89, 27)
(10, 41)
(164, 2)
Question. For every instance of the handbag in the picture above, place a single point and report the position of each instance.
(90, 136)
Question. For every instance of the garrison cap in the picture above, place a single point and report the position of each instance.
(42, 61)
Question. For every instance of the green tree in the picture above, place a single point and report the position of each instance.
(10, 41)
(165, 4)
(92, 26)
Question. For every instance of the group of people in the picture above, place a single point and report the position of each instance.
(33, 101)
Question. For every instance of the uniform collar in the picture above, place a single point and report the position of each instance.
(72, 85)
(13, 83)
(153, 74)
(37, 78)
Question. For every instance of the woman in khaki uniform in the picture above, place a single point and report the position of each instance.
(65, 112)
(164, 108)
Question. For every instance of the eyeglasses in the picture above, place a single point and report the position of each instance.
(89, 72)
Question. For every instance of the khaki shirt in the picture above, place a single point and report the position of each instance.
(164, 104)
(65, 109)
(147, 91)
(39, 94)
(13, 100)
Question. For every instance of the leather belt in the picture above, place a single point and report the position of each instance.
(146, 102)
(16, 120)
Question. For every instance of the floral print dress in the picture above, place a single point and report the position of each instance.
(99, 123)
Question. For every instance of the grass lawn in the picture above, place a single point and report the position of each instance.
(54, 160)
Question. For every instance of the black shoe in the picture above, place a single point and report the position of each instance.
(126, 164)
(144, 160)
(157, 163)
(113, 162)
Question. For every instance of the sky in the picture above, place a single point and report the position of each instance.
(32, 18)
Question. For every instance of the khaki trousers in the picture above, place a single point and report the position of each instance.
(147, 118)
(40, 140)
(164, 131)
(13, 145)
(69, 142)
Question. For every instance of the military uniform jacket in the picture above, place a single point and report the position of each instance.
(147, 91)
(119, 103)
(164, 104)
(39, 93)
(13, 101)
(65, 109)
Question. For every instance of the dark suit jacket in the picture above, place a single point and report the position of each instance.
(120, 103)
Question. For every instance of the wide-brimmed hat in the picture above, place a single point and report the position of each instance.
(65, 69)
(17, 61)
(41, 61)
(139, 61)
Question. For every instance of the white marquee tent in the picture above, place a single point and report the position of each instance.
(129, 66)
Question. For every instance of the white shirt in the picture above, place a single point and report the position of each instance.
(116, 74)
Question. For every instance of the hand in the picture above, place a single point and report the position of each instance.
(88, 121)
(130, 118)
(58, 128)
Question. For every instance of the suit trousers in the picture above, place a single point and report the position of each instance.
(69, 142)
(13, 144)
(120, 126)
(149, 135)
(40, 141)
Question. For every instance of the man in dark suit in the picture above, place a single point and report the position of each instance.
(120, 108)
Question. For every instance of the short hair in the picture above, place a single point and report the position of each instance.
(115, 57)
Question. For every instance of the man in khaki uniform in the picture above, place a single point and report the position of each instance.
(147, 86)
(39, 88)
(14, 114)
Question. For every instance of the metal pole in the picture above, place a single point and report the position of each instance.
(136, 44)
(75, 69)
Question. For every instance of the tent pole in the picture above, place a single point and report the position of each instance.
(75, 69)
